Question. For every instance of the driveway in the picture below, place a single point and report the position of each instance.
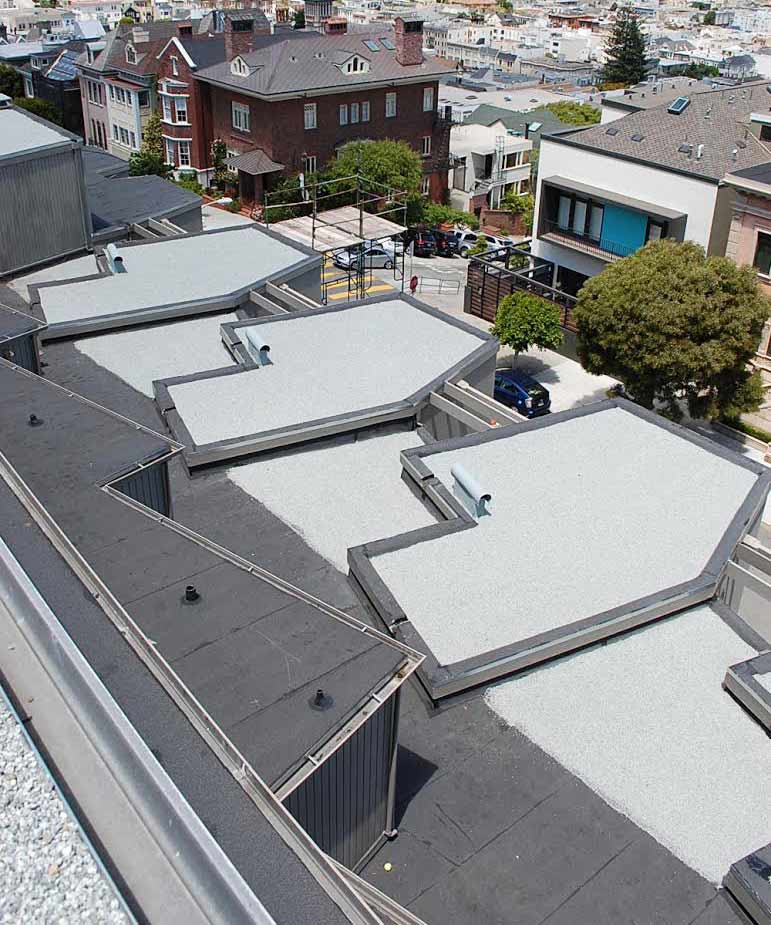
(569, 384)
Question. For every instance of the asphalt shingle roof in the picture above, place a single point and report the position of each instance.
(283, 67)
(717, 119)
(517, 120)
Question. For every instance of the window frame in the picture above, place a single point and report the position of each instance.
(243, 123)
(354, 113)
(343, 113)
(390, 105)
(310, 163)
(365, 111)
(183, 153)
(181, 100)
(310, 110)
(425, 146)
(428, 99)
(762, 240)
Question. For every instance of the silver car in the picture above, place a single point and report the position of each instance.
(377, 255)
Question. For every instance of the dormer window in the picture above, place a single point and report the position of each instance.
(356, 65)
(239, 67)
(131, 54)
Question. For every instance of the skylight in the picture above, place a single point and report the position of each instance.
(637, 137)
(611, 131)
(678, 105)
(372, 45)
(387, 43)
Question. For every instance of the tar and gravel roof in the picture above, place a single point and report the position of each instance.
(716, 119)
(174, 271)
(325, 363)
(589, 513)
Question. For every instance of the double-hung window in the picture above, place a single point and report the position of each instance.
(390, 105)
(183, 150)
(309, 163)
(343, 114)
(762, 261)
(309, 114)
(354, 113)
(169, 145)
(180, 106)
(365, 111)
(241, 117)
(425, 145)
(428, 99)
(167, 116)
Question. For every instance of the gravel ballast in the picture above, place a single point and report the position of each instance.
(588, 514)
(341, 495)
(47, 873)
(141, 355)
(644, 721)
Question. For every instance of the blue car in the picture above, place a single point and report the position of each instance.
(517, 390)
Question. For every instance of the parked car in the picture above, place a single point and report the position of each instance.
(446, 245)
(516, 389)
(464, 241)
(423, 242)
(374, 254)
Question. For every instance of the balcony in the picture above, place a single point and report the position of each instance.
(596, 247)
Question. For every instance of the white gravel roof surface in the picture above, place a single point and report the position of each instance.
(587, 514)
(174, 271)
(323, 365)
(19, 133)
(140, 355)
(46, 870)
(764, 680)
(644, 721)
(341, 495)
(69, 269)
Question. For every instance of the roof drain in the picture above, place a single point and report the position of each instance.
(469, 492)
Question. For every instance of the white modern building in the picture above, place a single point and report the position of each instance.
(488, 164)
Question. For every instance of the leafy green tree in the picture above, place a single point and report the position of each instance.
(698, 71)
(575, 113)
(389, 163)
(41, 108)
(674, 325)
(709, 18)
(151, 157)
(434, 213)
(480, 246)
(11, 83)
(626, 59)
(299, 20)
(522, 204)
(524, 321)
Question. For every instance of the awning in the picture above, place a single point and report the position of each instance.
(596, 192)
(254, 162)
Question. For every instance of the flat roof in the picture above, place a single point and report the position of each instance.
(337, 228)
(593, 522)
(171, 276)
(20, 134)
(642, 719)
(325, 364)
(253, 649)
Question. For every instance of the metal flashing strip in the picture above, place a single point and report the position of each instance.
(741, 682)
(443, 680)
(319, 865)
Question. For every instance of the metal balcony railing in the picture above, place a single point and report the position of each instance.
(601, 247)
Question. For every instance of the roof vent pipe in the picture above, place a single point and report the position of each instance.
(114, 259)
(699, 152)
(469, 492)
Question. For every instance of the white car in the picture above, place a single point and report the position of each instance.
(467, 239)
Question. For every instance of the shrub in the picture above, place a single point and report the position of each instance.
(524, 321)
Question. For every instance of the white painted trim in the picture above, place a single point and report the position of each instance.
(180, 48)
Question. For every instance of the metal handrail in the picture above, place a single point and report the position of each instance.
(601, 246)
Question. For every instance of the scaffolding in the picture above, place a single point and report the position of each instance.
(341, 219)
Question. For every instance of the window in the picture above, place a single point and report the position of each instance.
(428, 99)
(180, 105)
(29, 90)
(425, 186)
(166, 102)
(390, 105)
(354, 113)
(183, 150)
(343, 114)
(356, 65)
(579, 216)
(133, 140)
(239, 67)
(309, 163)
(514, 159)
(124, 136)
(174, 65)
(169, 145)
(595, 222)
(655, 231)
(112, 92)
(143, 98)
(92, 139)
(365, 111)
(425, 145)
(131, 55)
(309, 111)
(762, 261)
(115, 132)
(241, 117)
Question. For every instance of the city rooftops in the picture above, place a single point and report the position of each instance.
(653, 93)
(22, 134)
(705, 139)
(171, 277)
(316, 373)
(594, 534)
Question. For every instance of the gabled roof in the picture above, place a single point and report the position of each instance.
(283, 67)
(716, 119)
(113, 56)
(517, 121)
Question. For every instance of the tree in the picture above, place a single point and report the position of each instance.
(299, 19)
(388, 163)
(673, 324)
(709, 18)
(41, 108)
(126, 21)
(434, 213)
(151, 157)
(698, 71)
(480, 246)
(626, 61)
(575, 113)
(524, 321)
(523, 205)
(11, 83)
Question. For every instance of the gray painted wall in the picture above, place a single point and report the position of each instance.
(308, 283)
(190, 220)
(22, 351)
(343, 805)
(150, 487)
(44, 212)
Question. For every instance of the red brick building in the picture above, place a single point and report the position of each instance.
(289, 105)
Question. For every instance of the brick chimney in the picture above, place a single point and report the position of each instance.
(239, 28)
(409, 40)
